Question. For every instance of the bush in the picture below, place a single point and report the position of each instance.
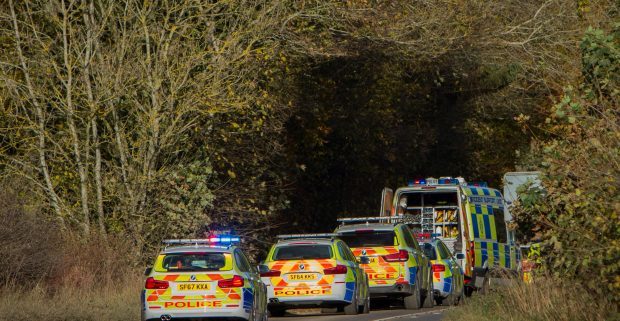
(31, 246)
(577, 214)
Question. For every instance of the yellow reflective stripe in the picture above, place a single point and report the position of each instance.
(490, 253)
(493, 231)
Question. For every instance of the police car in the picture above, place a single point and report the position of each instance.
(394, 261)
(447, 274)
(314, 270)
(202, 279)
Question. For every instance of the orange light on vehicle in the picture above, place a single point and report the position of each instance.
(439, 267)
(235, 282)
(152, 284)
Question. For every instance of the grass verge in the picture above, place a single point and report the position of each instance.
(113, 303)
(544, 300)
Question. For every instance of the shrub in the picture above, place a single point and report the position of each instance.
(545, 299)
(578, 212)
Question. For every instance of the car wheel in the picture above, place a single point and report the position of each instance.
(412, 302)
(351, 309)
(277, 312)
(365, 308)
(461, 299)
(428, 301)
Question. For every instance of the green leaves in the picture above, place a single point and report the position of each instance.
(577, 218)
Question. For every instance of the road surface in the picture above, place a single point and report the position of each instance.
(379, 312)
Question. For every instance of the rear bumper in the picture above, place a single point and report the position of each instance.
(310, 303)
(391, 290)
(232, 313)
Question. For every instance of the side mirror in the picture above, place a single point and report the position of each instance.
(148, 271)
(460, 256)
(364, 260)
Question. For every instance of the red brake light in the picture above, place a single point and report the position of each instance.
(270, 273)
(153, 284)
(338, 269)
(472, 252)
(235, 282)
(439, 267)
(401, 256)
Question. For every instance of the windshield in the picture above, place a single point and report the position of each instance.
(299, 252)
(179, 262)
(429, 251)
(369, 239)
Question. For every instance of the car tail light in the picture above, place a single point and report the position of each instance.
(235, 282)
(439, 267)
(270, 273)
(338, 269)
(401, 256)
(153, 284)
(472, 252)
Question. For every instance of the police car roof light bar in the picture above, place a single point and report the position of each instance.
(222, 240)
(306, 236)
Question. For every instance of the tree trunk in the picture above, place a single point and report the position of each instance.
(49, 187)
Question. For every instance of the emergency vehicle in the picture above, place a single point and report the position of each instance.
(448, 279)
(396, 265)
(314, 270)
(469, 219)
(203, 279)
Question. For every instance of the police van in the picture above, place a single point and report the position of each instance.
(468, 218)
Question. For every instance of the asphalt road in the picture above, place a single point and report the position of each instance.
(379, 312)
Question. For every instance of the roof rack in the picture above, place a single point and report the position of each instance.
(307, 236)
(389, 219)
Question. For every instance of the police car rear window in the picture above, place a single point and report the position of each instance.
(369, 238)
(184, 262)
(429, 251)
(301, 252)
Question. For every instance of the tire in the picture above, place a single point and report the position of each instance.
(351, 309)
(277, 312)
(429, 300)
(365, 308)
(486, 286)
(413, 302)
(461, 298)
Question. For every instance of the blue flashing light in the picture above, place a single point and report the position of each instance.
(414, 182)
(448, 181)
(224, 239)
(435, 235)
(479, 184)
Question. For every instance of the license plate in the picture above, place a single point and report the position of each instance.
(193, 287)
(302, 277)
(371, 259)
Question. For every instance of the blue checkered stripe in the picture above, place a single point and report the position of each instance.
(248, 299)
(413, 272)
(447, 284)
(350, 290)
